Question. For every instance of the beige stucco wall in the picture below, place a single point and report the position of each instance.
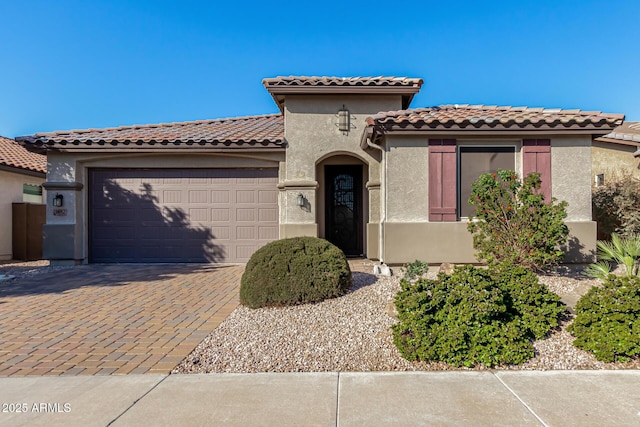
(407, 183)
(408, 234)
(314, 140)
(613, 160)
(438, 242)
(73, 167)
(11, 192)
(571, 175)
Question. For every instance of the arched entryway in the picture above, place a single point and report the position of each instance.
(343, 202)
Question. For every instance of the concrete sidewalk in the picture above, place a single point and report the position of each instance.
(580, 398)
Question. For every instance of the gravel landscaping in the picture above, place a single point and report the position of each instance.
(21, 269)
(352, 333)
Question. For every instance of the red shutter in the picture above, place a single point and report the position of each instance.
(442, 180)
(536, 157)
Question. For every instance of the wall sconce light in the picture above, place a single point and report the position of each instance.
(344, 120)
(57, 200)
(301, 200)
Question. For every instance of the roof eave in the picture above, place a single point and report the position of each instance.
(618, 141)
(23, 171)
(575, 129)
(278, 93)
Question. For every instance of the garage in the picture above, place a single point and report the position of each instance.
(181, 215)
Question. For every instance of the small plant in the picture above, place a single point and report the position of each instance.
(607, 321)
(474, 315)
(514, 224)
(623, 251)
(294, 271)
(415, 269)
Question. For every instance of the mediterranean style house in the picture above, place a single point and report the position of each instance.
(345, 159)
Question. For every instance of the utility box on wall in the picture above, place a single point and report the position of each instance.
(27, 222)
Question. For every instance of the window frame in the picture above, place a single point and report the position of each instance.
(511, 145)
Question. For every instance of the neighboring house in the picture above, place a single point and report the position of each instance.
(344, 160)
(21, 176)
(613, 154)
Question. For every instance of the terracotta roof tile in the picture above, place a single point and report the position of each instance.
(15, 155)
(281, 86)
(254, 131)
(627, 133)
(341, 81)
(470, 117)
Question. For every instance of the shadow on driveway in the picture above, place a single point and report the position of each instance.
(58, 281)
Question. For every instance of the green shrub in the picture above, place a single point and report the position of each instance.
(474, 315)
(607, 320)
(616, 207)
(294, 271)
(514, 224)
(623, 251)
(416, 269)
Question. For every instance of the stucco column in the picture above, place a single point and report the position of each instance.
(296, 220)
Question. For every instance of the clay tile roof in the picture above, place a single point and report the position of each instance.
(319, 81)
(482, 117)
(627, 133)
(14, 155)
(265, 131)
(406, 87)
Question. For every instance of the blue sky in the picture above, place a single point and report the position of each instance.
(71, 64)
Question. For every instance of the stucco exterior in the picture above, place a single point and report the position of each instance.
(314, 141)
(408, 234)
(11, 185)
(613, 160)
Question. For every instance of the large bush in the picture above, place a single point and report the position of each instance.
(294, 271)
(607, 320)
(474, 315)
(616, 207)
(514, 224)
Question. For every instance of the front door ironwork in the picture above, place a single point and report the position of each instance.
(343, 203)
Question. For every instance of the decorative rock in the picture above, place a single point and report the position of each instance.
(446, 268)
(392, 310)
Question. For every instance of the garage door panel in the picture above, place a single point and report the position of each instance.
(222, 233)
(220, 196)
(220, 214)
(246, 215)
(267, 233)
(267, 215)
(267, 197)
(168, 215)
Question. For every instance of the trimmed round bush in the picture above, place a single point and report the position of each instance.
(489, 316)
(607, 321)
(294, 271)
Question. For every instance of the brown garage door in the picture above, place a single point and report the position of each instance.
(181, 215)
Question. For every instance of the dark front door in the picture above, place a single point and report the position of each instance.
(343, 225)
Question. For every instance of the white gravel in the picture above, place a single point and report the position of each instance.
(352, 333)
(20, 269)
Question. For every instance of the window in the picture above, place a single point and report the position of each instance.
(473, 162)
(453, 168)
(31, 193)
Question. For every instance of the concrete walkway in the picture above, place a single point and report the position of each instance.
(508, 398)
(112, 319)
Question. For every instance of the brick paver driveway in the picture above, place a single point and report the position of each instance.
(111, 319)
